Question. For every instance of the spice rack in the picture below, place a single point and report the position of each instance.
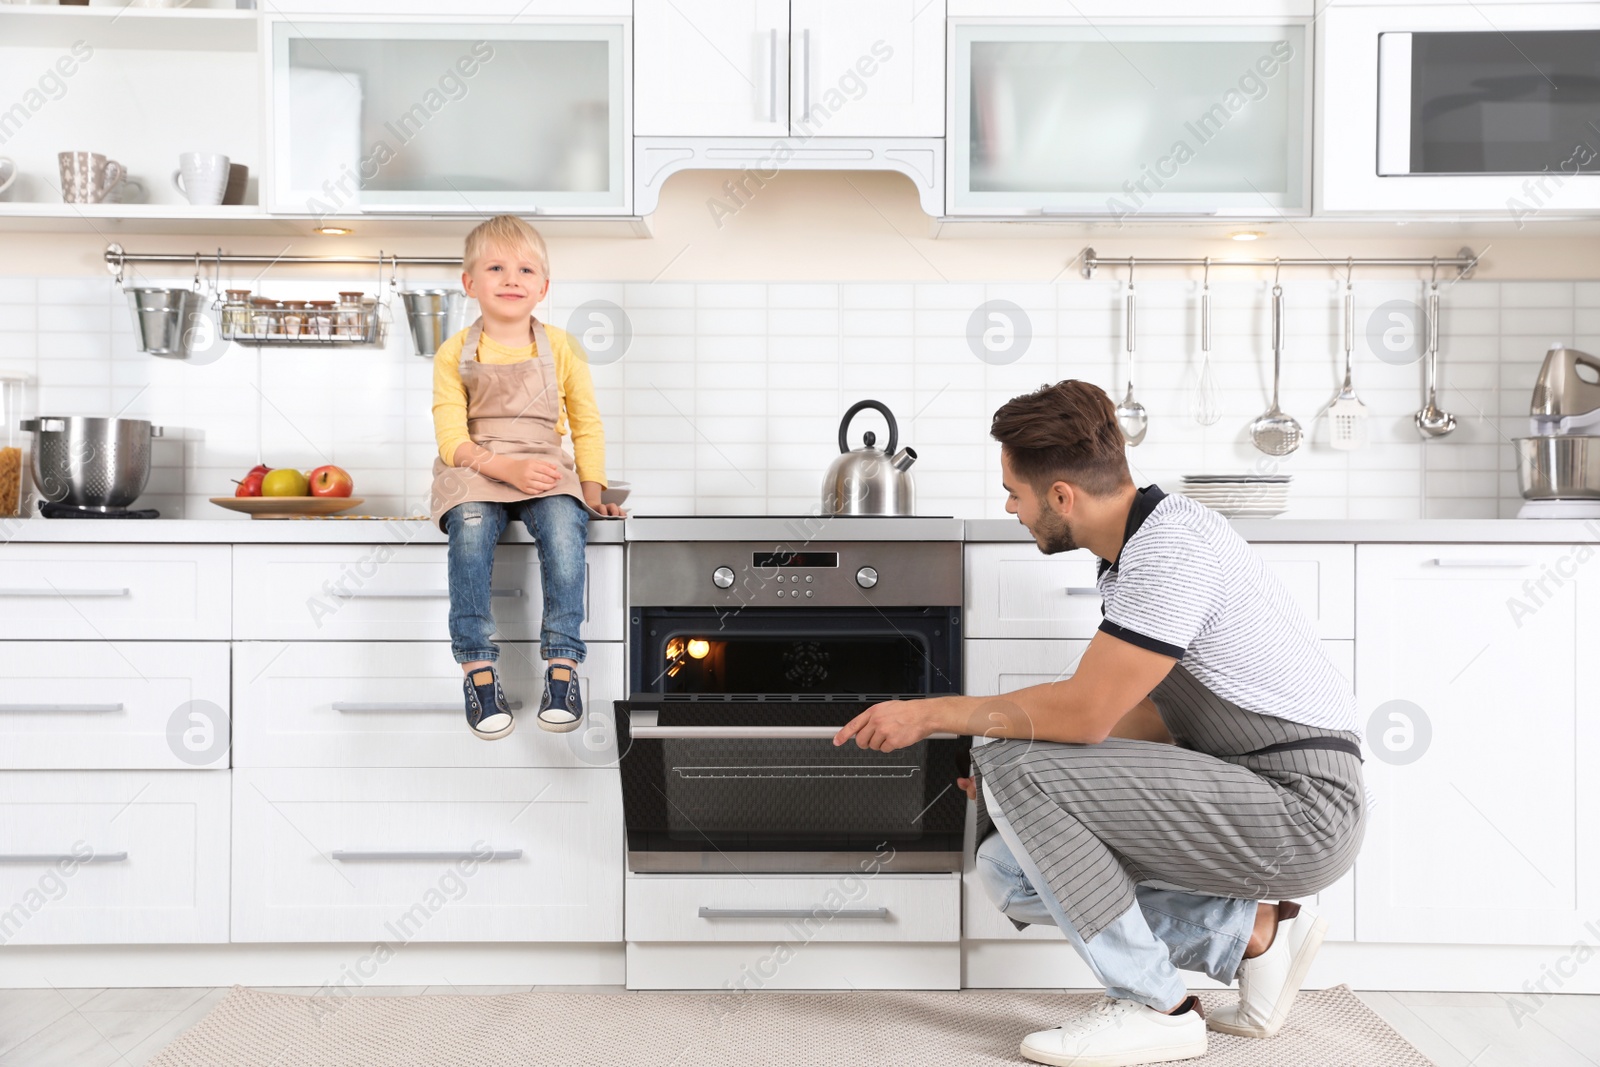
(353, 320)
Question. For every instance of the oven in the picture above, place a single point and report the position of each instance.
(745, 657)
(1489, 108)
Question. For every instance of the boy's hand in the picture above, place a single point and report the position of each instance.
(591, 496)
(531, 476)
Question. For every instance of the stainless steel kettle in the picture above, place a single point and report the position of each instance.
(868, 481)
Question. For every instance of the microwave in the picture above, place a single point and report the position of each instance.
(1489, 109)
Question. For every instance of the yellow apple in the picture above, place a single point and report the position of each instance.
(285, 481)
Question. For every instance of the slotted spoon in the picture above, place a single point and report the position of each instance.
(1274, 432)
(1347, 416)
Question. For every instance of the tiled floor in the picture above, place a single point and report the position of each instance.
(126, 1027)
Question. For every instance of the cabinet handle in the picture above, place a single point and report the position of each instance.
(805, 75)
(1083, 590)
(344, 855)
(24, 708)
(57, 857)
(1501, 563)
(772, 75)
(406, 705)
(26, 592)
(746, 733)
(412, 594)
(793, 913)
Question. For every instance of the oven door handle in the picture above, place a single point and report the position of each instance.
(746, 733)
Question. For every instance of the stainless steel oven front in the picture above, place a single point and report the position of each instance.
(745, 659)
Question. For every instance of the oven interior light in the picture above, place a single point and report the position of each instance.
(699, 647)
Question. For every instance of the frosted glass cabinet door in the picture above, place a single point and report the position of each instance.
(1129, 120)
(429, 117)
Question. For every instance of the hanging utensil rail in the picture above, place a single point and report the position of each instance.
(1464, 261)
(116, 257)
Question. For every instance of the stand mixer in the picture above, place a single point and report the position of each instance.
(1558, 464)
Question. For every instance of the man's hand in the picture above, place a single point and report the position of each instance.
(890, 725)
(968, 786)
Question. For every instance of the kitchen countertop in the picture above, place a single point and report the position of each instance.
(779, 530)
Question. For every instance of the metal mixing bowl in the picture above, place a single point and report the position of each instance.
(1558, 467)
(91, 463)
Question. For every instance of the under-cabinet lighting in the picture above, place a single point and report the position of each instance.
(334, 231)
(1245, 235)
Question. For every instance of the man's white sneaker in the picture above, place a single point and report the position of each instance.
(1121, 1033)
(1269, 982)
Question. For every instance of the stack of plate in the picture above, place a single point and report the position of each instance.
(1239, 496)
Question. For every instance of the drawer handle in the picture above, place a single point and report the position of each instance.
(793, 913)
(51, 708)
(1468, 562)
(28, 593)
(344, 855)
(746, 733)
(412, 594)
(57, 857)
(406, 705)
(1082, 590)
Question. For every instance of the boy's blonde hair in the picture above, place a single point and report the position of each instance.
(508, 232)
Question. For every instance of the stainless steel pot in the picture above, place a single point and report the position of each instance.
(1558, 467)
(866, 481)
(434, 314)
(92, 463)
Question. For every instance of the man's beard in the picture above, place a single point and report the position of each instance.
(1054, 534)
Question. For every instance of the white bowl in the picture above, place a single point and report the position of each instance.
(615, 493)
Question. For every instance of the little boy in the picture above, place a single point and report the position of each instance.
(505, 390)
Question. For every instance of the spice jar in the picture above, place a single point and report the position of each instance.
(236, 313)
(350, 323)
(293, 317)
(11, 466)
(319, 319)
(263, 316)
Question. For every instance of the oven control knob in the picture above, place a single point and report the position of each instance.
(867, 577)
(722, 577)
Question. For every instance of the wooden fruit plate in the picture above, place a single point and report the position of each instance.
(287, 507)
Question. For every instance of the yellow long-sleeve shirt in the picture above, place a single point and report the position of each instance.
(579, 414)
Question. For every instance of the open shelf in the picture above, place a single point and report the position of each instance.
(27, 217)
(211, 29)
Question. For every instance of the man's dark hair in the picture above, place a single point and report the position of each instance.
(1064, 432)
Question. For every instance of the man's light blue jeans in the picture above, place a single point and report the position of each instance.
(559, 526)
(1139, 955)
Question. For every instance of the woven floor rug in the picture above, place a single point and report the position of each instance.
(249, 1028)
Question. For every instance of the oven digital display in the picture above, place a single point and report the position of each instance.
(765, 560)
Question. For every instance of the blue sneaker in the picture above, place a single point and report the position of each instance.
(561, 708)
(488, 714)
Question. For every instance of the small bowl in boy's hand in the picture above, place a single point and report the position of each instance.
(615, 493)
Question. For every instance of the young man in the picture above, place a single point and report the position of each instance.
(1203, 757)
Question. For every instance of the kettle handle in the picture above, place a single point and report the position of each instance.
(844, 424)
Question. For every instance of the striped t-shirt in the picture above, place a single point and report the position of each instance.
(1187, 586)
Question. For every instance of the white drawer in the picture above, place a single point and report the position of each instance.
(1013, 590)
(114, 592)
(400, 593)
(427, 855)
(113, 857)
(399, 704)
(1322, 578)
(126, 704)
(814, 907)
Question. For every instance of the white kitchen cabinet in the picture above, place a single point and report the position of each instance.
(1129, 115)
(817, 907)
(113, 857)
(1014, 591)
(994, 667)
(400, 593)
(1476, 675)
(789, 67)
(416, 854)
(417, 116)
(114, 705)
(111, 592)
(399, 704)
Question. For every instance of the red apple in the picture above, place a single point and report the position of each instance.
(250, 484)
(331, 481)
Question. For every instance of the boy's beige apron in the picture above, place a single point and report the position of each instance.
(512, 409)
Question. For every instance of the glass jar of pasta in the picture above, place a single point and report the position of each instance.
(11, 465)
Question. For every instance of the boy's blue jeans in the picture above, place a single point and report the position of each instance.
(559, 526)
(1139, 955)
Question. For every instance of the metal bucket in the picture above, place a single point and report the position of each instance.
(88, 462)
(162, 318)
(434, 314)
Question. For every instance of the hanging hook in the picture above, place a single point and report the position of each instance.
(1433, 281)
(394, 272)
(1131, 264)
(198, 285)
(1277, 269)
(1349, 272)
(1207, 282)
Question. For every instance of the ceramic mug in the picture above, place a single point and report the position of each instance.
(202, 177)
(8, 173)
(89, 177)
